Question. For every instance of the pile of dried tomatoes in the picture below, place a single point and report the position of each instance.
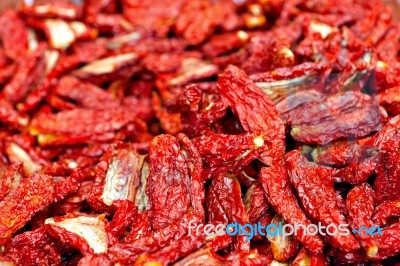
(124, 122)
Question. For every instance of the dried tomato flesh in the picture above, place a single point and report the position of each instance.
(129, 129)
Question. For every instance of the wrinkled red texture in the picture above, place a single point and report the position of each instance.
(34, 248)
(276, 184)
(316, 191)
(224, 205)
(255, 111)
(32, 195)
(360, 203)
(125, 124)
(14, 35)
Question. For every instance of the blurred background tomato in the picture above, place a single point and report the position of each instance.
(395, 4)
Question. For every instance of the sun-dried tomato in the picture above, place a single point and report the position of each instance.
(14, 35)
(172, 252)
(225, 43)
(65, 127)
(156, 17)
(230, 152)
(338, 153)
(225, 205)
(33, 248)
(348, 114)
(360, 203)
(202, 256)
(63, 65)
(197, 20)
(28, 71)
(200, 110)
(17, 207)
(255, 202)
(255, 111)
(308, 179)
(125, 213)
(387, 181)
(283, 248)
(191, 69)
(178, 182)
(118, 177)
(82, 231)
(11, 178)
(18, 150)
(141, 227)
(389, 99)
(83, 94)
(385, 211)
(109, 68)
(54, 10)
(287, 107)
(276, 185)
(357, 172)
(127, 253)
(306, 258)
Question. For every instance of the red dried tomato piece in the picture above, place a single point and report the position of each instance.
(389, 99)
(224, 204)
(267, 52)
(255, 202)
(108, 69)
(53, 10)
(348, 114)
(255, 111)
(276, 185)
(307, 69)
(43, 88)
(85, 95)
(197, 20)
(387, 183)
(14, 35)
(156, 17)
(283, 248)
(19, 151)
(191, 69)
(141, 227)
(357, 172)
(385, 211)
(79, 125)
(119, 176)
(10, 117)
(202, 256)
(82, 231)
(64, 187)
(127, 253)
(312, 182)
(7, 72)
(230, 152)
(17, 207)
(173, 164)
(200, 111)
(224, 44)
(387, 133)
(338, 153)
(125, 213)
(360, 203)
(175, 250)
(167, 62)
(29, 71)
(33, 248)
(11, 179)
(306, 258)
